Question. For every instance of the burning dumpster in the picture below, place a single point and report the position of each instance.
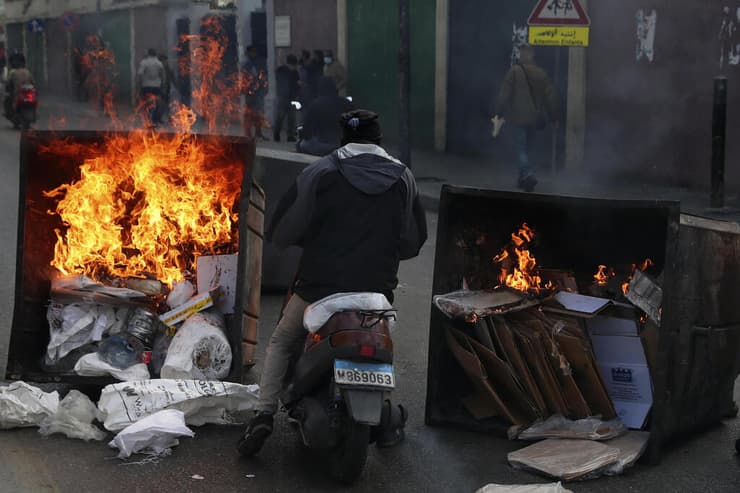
(115, 226)
(560, 306)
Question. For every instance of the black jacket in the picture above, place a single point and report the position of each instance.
(287, 82)
(323, 114)
(357, 214)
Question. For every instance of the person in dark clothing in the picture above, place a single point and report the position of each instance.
(357, 214)
(287, 79)
(321, 134)
(308, 78)
(255, 90)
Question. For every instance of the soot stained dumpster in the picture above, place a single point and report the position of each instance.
(54, 163)
(510, 251)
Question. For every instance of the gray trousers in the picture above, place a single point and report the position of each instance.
(287, 337)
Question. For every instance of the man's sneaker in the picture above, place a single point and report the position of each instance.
(255, 435)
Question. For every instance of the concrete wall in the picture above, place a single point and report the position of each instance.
(313, 25)
(18, 10)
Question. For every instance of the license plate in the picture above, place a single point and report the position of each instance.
(363, 374)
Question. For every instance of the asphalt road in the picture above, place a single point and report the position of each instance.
(431, 459)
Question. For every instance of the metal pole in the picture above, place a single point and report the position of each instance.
(719, 127)
(404, 107)
(554, 150)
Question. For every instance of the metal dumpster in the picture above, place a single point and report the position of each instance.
(698, 347)
(42, 170)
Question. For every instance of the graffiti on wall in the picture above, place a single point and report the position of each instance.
(729, 37)
(646, 35)
(518, 38)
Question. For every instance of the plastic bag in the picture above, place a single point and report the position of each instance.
(557, 426)
(91, 365)
(74, 418)
(181, 292)
(524, 488)
(202, 401)
(154, 434)
(317, 314)
(25, 405)
(199, 350)
(159, 352)
(75, 325)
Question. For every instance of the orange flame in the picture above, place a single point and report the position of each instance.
(145, 204)
(217, 94)
(645, 265)
(98, 63)
(603, 275)
(523, 276)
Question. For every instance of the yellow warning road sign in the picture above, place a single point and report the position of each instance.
(558, 35)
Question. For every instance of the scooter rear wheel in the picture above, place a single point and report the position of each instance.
(347, 459)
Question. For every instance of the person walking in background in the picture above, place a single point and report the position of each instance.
(151, 77)
(287, 80)
(333, 68)
(321, 134)
(527, 99)
(255, 88)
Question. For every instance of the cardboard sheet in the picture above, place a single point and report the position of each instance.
(623, 366)
(564, 458)
(462, 349)
(577, 304)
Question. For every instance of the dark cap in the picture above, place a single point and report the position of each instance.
(361, 126)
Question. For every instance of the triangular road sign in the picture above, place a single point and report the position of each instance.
(559, 13)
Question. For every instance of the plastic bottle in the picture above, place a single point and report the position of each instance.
(121, 350)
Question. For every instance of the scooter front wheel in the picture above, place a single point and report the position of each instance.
(347, 459)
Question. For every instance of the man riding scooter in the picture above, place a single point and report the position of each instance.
(18, 77)
(356, 213)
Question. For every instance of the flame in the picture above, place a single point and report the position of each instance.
(148, 204)
(217, 94)
(145, 203)
(603, 275)
(98, 63)
(645, 265)
(523, 276)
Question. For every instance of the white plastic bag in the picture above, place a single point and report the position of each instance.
(524, 488)
(317, 314)
(181, 292)
(199, 350)
(91, 365)
(25, 405)
(154, 434)
(74, 325)
(202, 401)
(74, 418)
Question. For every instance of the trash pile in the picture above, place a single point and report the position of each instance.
(148, 415)
(136, 329)
(561, 359)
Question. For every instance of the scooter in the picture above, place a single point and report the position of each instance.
(338, 392)
(24, 107)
